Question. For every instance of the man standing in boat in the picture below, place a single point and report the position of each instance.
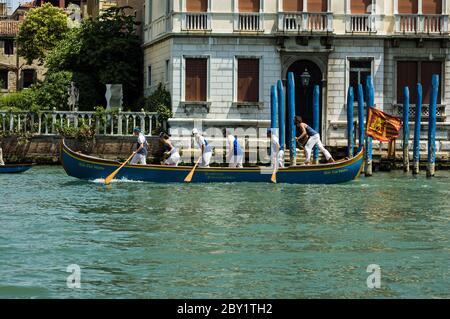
(310, 138)
(140, 156)
(235, 154)
(204, 147)
(276, 153)
(172, 157)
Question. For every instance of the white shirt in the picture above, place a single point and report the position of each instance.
(201, 141)
(230, 145)
(274, 144)
(141, 138)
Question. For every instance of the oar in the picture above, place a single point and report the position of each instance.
(191, 173)
(274, 174)
(113, 174)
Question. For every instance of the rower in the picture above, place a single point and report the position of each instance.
(141, 148)
(277, 154)
(1, 157)
(235, 155)
(170, 151)
(204, 147)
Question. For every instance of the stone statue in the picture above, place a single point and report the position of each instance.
(114, 96)
(74, 95)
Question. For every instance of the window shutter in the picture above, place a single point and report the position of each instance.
(196, 72)
(249, 5)
(317, 5)
(427, 70)
(432, 6)
(197, 5)
(248, 80)
(360, 6)
(293, 5)
(408, 6)
(407, 76)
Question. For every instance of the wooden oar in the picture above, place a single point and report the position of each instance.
(113, 174)
(191, 173)
(274, 174)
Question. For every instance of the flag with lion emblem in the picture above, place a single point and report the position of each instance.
(382, 126)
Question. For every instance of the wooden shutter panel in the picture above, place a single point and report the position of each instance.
(249, 5)
(293, 5)
(248, 80)
(197, 5)
(427, 70)
(407, 76)
(408, 6)
(196, 72)
(317, 5)
(432, 6)
(360, 6)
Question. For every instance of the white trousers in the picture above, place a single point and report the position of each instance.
(206, 158)
(139, 159)
(312, 141)
(173, 160)
(1, 157)
(279, 159)
(236, 161)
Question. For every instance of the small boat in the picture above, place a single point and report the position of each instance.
(15, 168)
(91, 168)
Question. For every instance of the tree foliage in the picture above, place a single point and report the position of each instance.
(40, 32)
(101, 51)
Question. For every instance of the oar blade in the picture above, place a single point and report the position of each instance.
(274, 177)
(188, 178)
(111, 177)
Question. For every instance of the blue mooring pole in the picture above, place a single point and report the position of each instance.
(417, 119)
(281, 113)
(350, 136)
(370, 103)
(291, 126)
(361, 116)
(406, 129)
(316, 118)
(273, 106)
(432, 126)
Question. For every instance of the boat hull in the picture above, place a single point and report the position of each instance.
(91, 168)
(14, 168)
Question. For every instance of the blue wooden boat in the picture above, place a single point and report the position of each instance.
(14, 168)
(91, 168)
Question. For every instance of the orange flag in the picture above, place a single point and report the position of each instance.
(382, 126)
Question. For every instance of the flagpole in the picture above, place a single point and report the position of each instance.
(406, 129)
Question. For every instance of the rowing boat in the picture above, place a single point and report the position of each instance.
(14, 168)
(92, 168)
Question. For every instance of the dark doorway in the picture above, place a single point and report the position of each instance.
(304, 95)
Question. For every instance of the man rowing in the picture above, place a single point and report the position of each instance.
(172, 157)
(235, 154)
(140, 156)
(276, 154)
(1, 157)
(205, 148)
(310, 138)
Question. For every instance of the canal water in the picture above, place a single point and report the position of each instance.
(224, 240)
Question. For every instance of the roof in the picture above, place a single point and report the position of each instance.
(9, 28)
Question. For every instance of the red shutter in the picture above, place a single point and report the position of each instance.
(317, 5)
(196, 72)
(408, 6)
(432, 6)
(293, 5)
(407, 76)
(427, 70)
(360, 6)
(197, 5)
(248, 80)
(249, 5)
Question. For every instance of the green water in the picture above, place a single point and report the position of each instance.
(224, 240)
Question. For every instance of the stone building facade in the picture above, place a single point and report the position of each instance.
(219, 58)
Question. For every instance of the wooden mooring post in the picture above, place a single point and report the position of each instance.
(405, 129)
(432, 126)
(417, 123)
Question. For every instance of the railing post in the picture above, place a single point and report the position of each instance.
(417, 120)
(11, 122)
(119, 122)
(142, 117)
(53, 122)
(329, 22)
(406, 129)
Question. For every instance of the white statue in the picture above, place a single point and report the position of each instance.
(74, 95)
(114, 96)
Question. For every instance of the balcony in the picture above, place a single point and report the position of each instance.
(157, 29)
(290, 22)
(440, 111)
(198, 21)
(421, 23)
(360, 23)
(249, 22)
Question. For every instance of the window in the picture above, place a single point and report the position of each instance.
(150, 11)
(197, 5)
(248, 80)
(432, 6)
(4, 79)
(166, 76)
(28, 77)
(359, 70)
(409, 73)
(9, 47)
(408, 6)
(196, 73)
(317, 5)
(249, 5)
(361, 6)
(293, 5)
(149, 75)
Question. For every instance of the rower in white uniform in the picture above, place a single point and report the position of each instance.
(141, 148)
(173, 157)
(276, 154)
(235, 154)
(1, 157)
(204, 147)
